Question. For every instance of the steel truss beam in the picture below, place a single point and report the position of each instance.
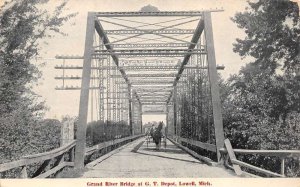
(195, 38)
(153, 113)
(115, 97)
(117, 109)
(76, 78)
(148, 75)
(158, 92)
(142, 68)
(152, 88)
(106, 42)
(153, 100)
(145, 81)
(134, 56)
(151, 83)
(158, 89)
(160, 95)
(154, 103)
(150, 32)
(74, 57)
(149, 52)
(150, 45)
(152, 92)
(151, 78)
(169, 31)
(158, 14)
(155, 94)
(74, 88)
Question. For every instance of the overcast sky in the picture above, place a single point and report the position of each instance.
(66, 102)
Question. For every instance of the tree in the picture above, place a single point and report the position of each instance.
(273, 34)
(273, 37)
(261, 107)
(149, 8)
(23, 23)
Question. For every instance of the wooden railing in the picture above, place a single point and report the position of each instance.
(228, 153)
(108, 145)
(57, 156)
(202, 145)
(55, 160)
(209, 147)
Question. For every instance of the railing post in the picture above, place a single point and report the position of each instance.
(84, 95)
(67, 132)
(214, 87)
(282, 166)
(71, 154)
(231, 154)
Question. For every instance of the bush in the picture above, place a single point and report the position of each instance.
(100, 131)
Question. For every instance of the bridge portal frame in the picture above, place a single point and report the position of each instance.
(93, 24)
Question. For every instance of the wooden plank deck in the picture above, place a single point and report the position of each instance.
(146, 162)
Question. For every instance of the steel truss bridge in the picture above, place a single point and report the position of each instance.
(145, 60)
(137, 63)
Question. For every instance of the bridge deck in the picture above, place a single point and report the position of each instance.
(146, 162)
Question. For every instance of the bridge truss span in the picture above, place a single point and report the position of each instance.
(137, 59)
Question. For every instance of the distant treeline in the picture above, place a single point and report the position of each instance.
(100, 131)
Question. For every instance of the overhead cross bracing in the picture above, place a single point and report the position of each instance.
(136, 37)
(155, 14)
(174, 31)
(147, 35)
(151, 58)
(141, 68)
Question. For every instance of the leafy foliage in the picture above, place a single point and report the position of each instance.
(99, 131)
(24, 23)
(22, 138)
(149, 8)
(273, 34)
(261, 104)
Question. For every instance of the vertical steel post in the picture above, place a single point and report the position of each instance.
(84, 95)
(175, 110)
(141, 117)
(130, 109)
(108, 90)
(214, 87)
(133, 109)
(167, 124)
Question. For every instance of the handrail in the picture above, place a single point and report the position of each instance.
(282, 154)
(26, 160)
(44, 170)
(53, 153)
(278, 153)
(240, 163)
(207, 160)
(207, 146)
(91, 150)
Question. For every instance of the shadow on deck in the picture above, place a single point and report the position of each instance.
(141, 161)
